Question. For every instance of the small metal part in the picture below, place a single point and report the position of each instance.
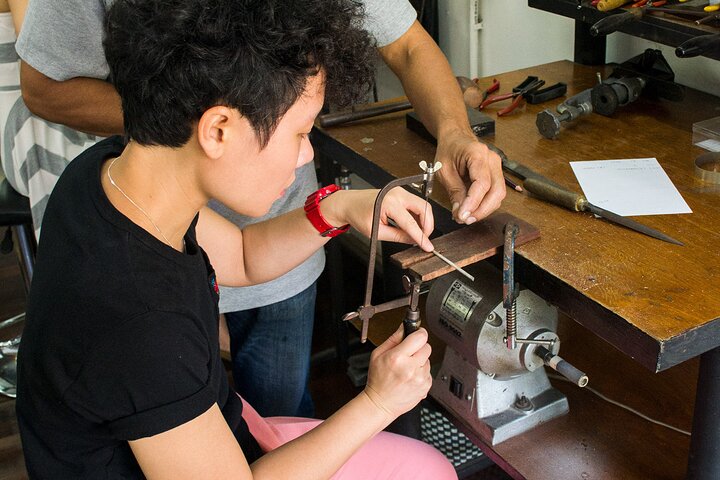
(528, 341)
(350, 316)
(523, 404)
(344, 181)
(548, 123)
(561, 366)
(430, 171)
(707, 167)
(493, 320)
(510, 288)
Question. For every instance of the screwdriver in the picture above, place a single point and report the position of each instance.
(578, 203)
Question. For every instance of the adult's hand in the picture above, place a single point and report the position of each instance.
(472, 175)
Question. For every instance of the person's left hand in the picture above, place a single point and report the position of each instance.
(467, 161)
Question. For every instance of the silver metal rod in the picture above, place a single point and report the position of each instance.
(527, 341)
(452, 264)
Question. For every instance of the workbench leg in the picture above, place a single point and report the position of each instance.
(704, 458)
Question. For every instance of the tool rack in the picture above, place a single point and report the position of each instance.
(590, 50)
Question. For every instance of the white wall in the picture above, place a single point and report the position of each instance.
(512, 36)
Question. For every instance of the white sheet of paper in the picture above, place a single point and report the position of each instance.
(636, 186)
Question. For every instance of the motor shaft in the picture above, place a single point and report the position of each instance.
(560, 365)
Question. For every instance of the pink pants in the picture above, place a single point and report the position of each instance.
(385, 456)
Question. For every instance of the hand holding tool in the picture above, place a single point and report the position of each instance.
(578, 203)
(411, 286)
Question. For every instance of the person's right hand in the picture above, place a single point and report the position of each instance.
(399, 374)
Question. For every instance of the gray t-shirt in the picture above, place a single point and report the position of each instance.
(62, 40)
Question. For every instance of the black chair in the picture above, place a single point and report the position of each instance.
(15, 214)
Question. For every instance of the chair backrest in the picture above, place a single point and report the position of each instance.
(14, 208)
(15, 213)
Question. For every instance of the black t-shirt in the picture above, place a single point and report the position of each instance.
(121, 336)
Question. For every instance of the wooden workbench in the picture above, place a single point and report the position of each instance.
(656, 302)
(659, 303)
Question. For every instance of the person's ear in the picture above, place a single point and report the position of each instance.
(214, 128)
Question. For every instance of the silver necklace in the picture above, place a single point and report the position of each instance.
(112, 182)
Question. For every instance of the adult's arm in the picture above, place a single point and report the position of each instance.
(438, 101)
(86, 104)
(63, 71)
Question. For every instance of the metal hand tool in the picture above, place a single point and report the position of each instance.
(491, 89)
(683, 12)
(411, 285)
(607, 5)
(611, 23)
(698, 46)
(548, 122)
(551, 191)
(516, 95)
(337, 118)
(578, 203)
(713, 17)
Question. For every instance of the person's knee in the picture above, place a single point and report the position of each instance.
(434, 465)
(422, 461)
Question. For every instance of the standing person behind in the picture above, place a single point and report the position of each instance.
(33, 151)
(119, 370)
(69, 87)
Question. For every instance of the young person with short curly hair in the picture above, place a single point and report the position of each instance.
(120, 374)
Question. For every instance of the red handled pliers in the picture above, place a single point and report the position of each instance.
(491, 89)
(517, 96)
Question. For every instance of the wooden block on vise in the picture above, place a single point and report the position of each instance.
(464, 246)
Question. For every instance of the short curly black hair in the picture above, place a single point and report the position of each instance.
(171, 60)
